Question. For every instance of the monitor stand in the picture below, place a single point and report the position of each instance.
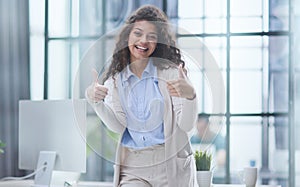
(43, 176)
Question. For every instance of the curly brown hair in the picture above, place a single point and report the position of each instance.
(165, 49)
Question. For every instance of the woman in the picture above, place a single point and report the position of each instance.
(146, 97)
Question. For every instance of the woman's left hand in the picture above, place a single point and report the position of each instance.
(181, 87)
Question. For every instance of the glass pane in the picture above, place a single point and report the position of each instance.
(58, 72)
(220, 56)
(215, 25)
(245, 7)
(36, 67)
(279, 54)
(197, 80)
(117, 12)
(215, 8)
(37, 19)
(247, 41)
(74, 8)
(278, 151)
(278, 47)
(246, 58)
(217, 47)
(246, 24)
(87, 16)
(199, 58)
(37, 16)
(190, 26)
(59, 17)
(91, 16)
(81, 69)
(297, 126)
(279, 15)
(214, 101)
(245, 145)
(297, 92)
(265, 16)
(246, 92)
(214, 98)
(246, 54)
(63, 63)
(203, 80)
(190, 9)
(190, 43)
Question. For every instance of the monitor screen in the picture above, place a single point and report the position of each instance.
(53, 125)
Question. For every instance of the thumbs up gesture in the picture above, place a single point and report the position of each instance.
(181, 87)
(96, 92)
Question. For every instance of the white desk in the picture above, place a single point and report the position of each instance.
(241, 185)
(28, 183)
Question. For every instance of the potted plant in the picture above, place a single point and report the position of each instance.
(203, 165)
(2, 145)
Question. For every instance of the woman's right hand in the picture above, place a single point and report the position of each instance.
(96, 92)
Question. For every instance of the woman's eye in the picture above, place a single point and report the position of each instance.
(153, 37)
(137, 33)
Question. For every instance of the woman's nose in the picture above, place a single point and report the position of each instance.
(144, 38)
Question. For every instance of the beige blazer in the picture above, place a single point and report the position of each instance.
(179, 119)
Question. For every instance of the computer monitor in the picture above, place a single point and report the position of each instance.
(52, 134)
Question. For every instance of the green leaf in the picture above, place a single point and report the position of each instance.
(1, 146)
(203, 160)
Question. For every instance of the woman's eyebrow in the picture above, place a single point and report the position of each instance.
(143, 30)
(138, 29)
(153, 33)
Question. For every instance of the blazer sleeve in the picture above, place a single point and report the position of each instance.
(110, 110)
(186, 113)
(185, 110)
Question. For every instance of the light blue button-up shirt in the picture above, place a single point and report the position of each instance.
(144, 107)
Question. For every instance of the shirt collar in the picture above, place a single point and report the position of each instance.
(149, 71)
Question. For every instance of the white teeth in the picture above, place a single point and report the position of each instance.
(142, 48)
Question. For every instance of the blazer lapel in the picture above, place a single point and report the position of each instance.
(167, 102)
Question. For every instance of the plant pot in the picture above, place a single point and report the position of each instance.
(204, 178)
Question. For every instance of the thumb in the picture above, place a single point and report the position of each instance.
(95, 75)
(181, 72)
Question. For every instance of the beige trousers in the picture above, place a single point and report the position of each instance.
(144, 167)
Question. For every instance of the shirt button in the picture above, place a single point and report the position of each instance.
(144, 138)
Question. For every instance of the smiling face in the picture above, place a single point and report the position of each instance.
(142, 40)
